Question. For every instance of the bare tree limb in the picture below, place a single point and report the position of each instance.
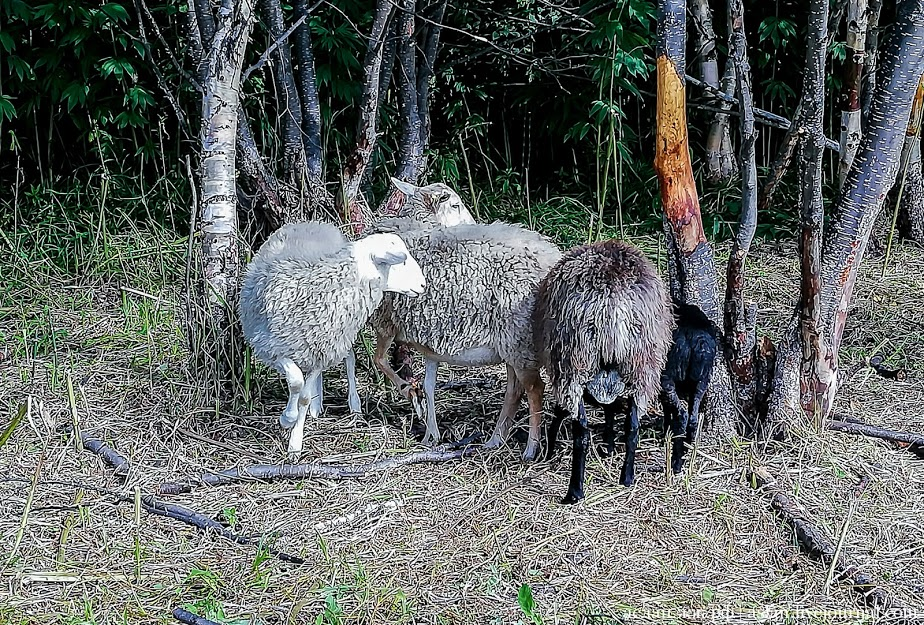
(271, 472)
(188, 618)
(764, 117)
(275, 45)
(857, 20)
(908, 441)
(815, 543)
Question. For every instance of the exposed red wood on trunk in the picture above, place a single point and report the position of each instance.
(672, 160)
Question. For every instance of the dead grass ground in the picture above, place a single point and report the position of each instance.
(450, 543)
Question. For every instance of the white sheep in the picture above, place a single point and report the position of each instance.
(476, 312)
(305, 296)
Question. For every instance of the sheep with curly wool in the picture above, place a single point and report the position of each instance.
(686, 376)
(476, 312)
(434, 203)
(603, 324)
(305, 296)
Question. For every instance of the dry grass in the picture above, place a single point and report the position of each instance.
(449, 543)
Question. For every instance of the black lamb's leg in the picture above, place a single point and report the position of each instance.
(627, 478)
(581, 436)
(675, 409)
(609, 428)
(560, 415)
(693, 423)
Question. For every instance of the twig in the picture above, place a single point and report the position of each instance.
(905, 440)
(765, 117)
(153, 505)
(890, 374)
(266, 54)
(26, 509)
(189, 618)
(116, 461)
(455, 385)
(269, 472)
(815, 543)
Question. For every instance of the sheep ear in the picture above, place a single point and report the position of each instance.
(389, 258)
(404, 187)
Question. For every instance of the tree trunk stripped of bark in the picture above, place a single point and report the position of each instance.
(218, 192)
(741, 318)
(720, 160)
(857, 19)
(911, 181)
(690, 257)
(815, 543)
(818, 370)
(860, 200)
(350, 205)
(288, 103)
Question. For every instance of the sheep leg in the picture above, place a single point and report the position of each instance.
(352, 394)
(692, 423)
(308, 402)
(296, 382)
(559, 415)
(627, 476)
(407, 390)
(432, 435)
(535, 388)
(508, 410)
(581, 436)
(676, 413)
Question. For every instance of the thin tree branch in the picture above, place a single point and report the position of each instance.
(765, 117)
(908, 441)
(266, 53)
(272, 472)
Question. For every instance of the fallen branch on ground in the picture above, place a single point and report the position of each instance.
(890, 374)
(454, 385)
(268, 472)
(815, 543)
(189, 618)
(153, 505)
(904, 440)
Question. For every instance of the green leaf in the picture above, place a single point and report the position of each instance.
(115, 12)
(20, 415)
(74, 94)
(7, 42)
(528, 604)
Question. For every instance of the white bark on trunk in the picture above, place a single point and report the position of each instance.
(857, 20)
(218, 194)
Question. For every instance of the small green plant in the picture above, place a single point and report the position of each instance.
(528, 604)
(333, 613)
(261, 577)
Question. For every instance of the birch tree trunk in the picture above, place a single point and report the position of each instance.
(868, 86)
(690, 257)
(857, 19)
(817, 373)
(873, 173)
(911, 182)
(218, 191)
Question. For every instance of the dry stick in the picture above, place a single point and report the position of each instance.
(153, 505)
(26, 509)
(268, 472)
(189, 618)
(815, 543)
(905, 440)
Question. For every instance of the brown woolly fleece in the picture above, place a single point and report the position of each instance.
(603, 306)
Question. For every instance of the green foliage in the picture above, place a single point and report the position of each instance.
(527, 604)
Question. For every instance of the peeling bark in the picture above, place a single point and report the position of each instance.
(691, 258)
(911, 205)
(860, 201)
(741, 318)
(857, 19)
(218, 192)
(350, 204)
(818, 369)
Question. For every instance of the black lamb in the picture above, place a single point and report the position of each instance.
(686, 377)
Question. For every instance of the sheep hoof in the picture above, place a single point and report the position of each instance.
(494, 442)
(627, 478)
(572, 498)
(530, 453)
